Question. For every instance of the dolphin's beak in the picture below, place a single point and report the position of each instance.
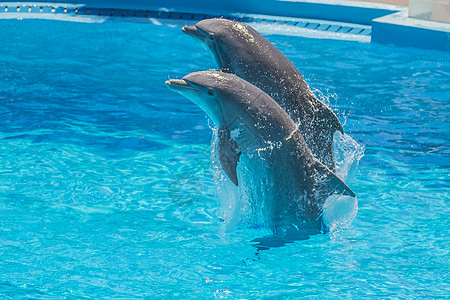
(196, 94)
(179, 84)
(192, 31)
(176, 82)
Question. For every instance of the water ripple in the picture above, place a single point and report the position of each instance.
(107, 188)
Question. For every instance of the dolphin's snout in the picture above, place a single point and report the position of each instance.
(180, 85)
(192, 31)
(188, 28)
(176, 82)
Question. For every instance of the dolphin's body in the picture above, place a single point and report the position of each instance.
(241, 50)
(256, 132)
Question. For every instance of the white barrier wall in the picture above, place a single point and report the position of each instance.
(433, 10)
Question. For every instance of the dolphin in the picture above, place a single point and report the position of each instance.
(254, 131)
(241, 50)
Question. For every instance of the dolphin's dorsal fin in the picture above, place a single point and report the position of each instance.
(228, 154)
(328, 183)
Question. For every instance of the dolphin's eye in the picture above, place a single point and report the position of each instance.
(210, 92)
(211, 36)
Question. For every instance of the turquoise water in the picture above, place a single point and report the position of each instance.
(107, 189)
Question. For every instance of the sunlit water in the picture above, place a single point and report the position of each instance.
(107, 188)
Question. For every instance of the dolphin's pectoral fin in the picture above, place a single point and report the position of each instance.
(228, 154)
(327, 183)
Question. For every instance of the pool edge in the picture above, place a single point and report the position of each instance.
(386, 24)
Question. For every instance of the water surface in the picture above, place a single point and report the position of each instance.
(107, 189)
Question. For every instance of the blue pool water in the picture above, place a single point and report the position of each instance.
(107, 189)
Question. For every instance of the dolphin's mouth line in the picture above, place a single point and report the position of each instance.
(180, 84)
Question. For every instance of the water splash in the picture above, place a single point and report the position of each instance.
(246, 206)
(339, 211)
(239, 206)
(347, 154)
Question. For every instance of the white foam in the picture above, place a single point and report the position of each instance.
(339, 211)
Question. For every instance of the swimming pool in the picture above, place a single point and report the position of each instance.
(107, 189)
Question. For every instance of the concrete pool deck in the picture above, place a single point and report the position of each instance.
(391, 2)
(380, 19)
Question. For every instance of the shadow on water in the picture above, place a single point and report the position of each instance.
(268, 242)
(275, 241)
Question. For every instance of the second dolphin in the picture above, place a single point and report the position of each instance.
(241, 50)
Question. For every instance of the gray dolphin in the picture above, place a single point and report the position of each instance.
(257, 133)
(241, 50)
